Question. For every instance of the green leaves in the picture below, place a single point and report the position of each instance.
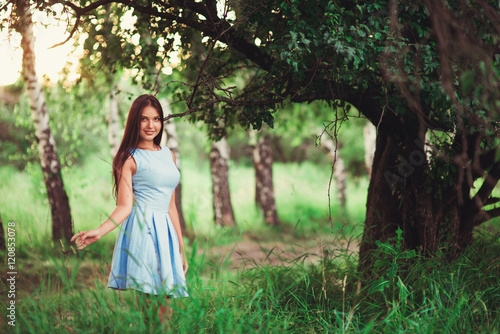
(393, 257)
(256, 117)
(467, 81)
(379, 286)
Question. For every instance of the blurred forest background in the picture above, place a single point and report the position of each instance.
(339, 162)
(302, 167)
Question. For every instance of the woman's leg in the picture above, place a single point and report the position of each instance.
(165, 311)
(144, 303)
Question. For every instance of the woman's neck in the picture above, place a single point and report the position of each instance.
(148, 146)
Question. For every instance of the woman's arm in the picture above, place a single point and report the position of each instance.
(174, 216)
(120, 213)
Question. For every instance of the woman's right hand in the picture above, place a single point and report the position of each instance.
(185, 264)
(85, 238)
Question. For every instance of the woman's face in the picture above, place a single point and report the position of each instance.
(150, 124)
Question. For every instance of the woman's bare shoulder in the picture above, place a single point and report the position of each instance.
(130, 165)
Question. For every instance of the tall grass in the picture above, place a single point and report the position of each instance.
(407, 294)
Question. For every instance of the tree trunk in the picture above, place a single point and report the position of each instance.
(113, 127)
(383, 216)
(341, 178)
(171, 140)
(339, 172)
(402, 195)
(219, 165)
(51, 167)
(370, 136)
(264, 190)
(2, 236)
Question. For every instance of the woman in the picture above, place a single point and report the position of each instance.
(149, 253)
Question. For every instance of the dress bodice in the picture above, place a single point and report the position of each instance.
(155, 179)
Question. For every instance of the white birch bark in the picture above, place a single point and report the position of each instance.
(113, 123)
(171, 140)
(370, 137)
(219, 166)
(263, 165)
(49, 161)
(339, 171)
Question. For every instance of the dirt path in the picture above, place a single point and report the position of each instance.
(250, 253)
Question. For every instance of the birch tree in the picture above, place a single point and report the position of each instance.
(113, 124)
(370, 136)
(262, 155)
(339, 168)
(49, 161)
(219, 166)
(171, 140)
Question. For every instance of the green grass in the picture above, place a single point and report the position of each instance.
(431, 295)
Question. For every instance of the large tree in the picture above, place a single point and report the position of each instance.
(409, 68)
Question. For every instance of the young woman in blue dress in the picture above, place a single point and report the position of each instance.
(149, 252)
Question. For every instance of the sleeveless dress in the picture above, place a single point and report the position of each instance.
(146, 255)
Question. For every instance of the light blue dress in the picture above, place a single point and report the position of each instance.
(146, 255)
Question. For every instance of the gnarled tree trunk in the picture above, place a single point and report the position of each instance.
(400, 195)
(219, 166)
(51, 167)
(383, 214)
(264, 190)
(430, 212)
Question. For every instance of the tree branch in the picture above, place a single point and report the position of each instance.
(487, 187)
(211, 9)
(485, 215)
(73, 30)
(192, 110)
(492, 200)
(197, 7)
(82, 11)
(232, 102)
(250, 50)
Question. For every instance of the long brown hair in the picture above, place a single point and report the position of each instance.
(131, 136)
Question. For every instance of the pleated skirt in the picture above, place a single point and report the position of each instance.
(146, 256)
